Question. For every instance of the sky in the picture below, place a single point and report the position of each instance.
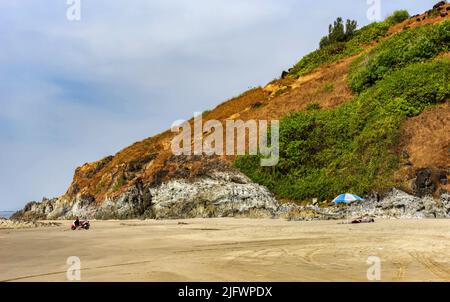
(75, 91)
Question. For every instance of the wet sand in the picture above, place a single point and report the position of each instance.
(227, 249)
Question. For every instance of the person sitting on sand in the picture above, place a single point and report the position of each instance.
(77, 222)
(364, 219)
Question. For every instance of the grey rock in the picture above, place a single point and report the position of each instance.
(396, 204)
(423, 184)
(216, 194)
(219, 194)
(228, 194)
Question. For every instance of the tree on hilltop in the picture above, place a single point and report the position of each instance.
(337, 32)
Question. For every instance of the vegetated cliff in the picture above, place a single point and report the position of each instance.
(371, 113)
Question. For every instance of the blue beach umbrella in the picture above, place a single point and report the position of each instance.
(347, 198)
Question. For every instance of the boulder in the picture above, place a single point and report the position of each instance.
(442, 177)
(423, 184)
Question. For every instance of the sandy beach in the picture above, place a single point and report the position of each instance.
(227, 249)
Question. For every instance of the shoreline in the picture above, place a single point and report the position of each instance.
(6, 214)
(39, 223)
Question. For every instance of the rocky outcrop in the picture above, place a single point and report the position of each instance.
(423, 185)
(217, 194)
(429, 182)
(439, 4)
(227, 194)
(396, 204)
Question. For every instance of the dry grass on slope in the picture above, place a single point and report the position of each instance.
(427, 138)
(426, 143)
(326, 86)
(432, 16)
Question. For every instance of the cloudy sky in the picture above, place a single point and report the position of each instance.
(75, 91)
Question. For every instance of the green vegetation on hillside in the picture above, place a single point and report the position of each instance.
(351, 148)
(342, 43)
(411, 45)
(397, 17)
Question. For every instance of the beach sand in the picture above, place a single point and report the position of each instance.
(227, 249)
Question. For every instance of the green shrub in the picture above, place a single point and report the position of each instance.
(313, 106)
(397, 17)
(369, 33)
(338, 50)
(121, 180)
(281, 91)
(412, 45)
(350, 148)
(321, 56)
(257, 105)
(100, 186)
(434, 12)
(328, 87)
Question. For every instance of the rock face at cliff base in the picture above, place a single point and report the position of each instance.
(395, 204)
(227, 194)
(217, 194)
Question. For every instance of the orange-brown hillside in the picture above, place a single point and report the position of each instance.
(151, 160)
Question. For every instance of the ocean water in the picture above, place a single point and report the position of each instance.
(6, 214)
